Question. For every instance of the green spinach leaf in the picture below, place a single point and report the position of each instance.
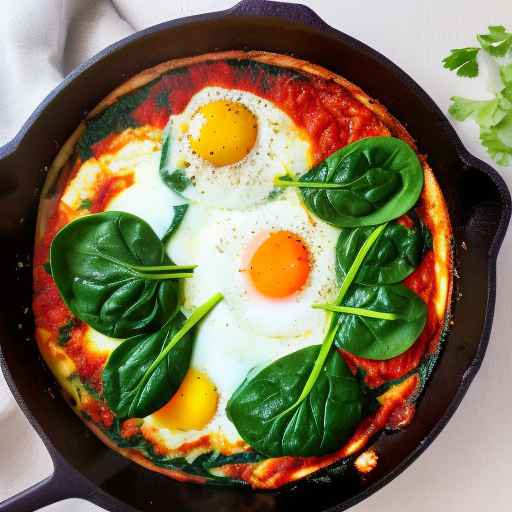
(380, 338)
(263, 411)
(114, 119)
(292, 414)
(179, 213)
(395, 255)
(85, 204)
(144, 372)
(112, 272)
(366, 183)
(65, 332)
(176, 179)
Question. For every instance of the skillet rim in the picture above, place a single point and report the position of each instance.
(291, 14)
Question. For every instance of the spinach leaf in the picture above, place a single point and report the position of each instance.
(288, 423)
(179, 213)
(395, 255)
(379, 338)
(175, 179)
(114, 119)
(366, 183)
(85, 204)
(144, 372)
(202, 465)
(65, 332)
(263, 411)
(112, 272)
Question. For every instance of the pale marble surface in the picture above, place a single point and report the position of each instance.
(468, 466)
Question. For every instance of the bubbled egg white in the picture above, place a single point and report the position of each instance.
(279, 145)
(222, 243)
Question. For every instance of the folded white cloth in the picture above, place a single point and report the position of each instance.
(40, 42)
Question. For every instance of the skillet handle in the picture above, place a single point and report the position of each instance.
(38, 496)
(288, 11)
(64, 483)
(488, 221)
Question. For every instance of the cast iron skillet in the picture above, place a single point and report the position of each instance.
(478, 200)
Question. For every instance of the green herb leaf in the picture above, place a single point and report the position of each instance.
(485, 113)
(505, 98)
(112, 272)
(126, 388)
(366, 183)
(176, 180)
(497, 149)
(494, 116)
(357, 311)
(464, 60)
(263, 411)
(179, 214)
(144, 372)
(378, 338)
(504, 129)
(395, 255)
(498, 42)
(506, 74)
(65, 332)
(114, 119)
(203, 465)
(85, 204)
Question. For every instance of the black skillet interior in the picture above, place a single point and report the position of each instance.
(479, 207)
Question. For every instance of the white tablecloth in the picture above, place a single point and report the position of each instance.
(468, 467)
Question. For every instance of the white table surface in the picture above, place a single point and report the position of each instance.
(468, 467)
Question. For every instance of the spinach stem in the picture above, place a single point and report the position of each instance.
(158, 277)
(150, 268)
(279, 182)
(191, 321)
(331, 334)
(144, 272)
(357, 311)
(358, 260)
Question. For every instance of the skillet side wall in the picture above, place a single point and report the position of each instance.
(476, 209)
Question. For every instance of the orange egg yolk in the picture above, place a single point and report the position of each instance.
(280, 266)
(192, 406)
(227, 132)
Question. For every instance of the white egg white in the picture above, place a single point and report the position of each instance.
(247, 330)
(280, 145)
(224, 243)
(148, 197)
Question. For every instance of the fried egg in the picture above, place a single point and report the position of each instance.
(230, 144)
(271, 263)
(268, 257)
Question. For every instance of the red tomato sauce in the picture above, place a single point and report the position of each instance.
(326, 111)
(421, 281)
(329, 115)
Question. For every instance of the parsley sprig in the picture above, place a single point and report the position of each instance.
(493, 116)
(464, 60)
